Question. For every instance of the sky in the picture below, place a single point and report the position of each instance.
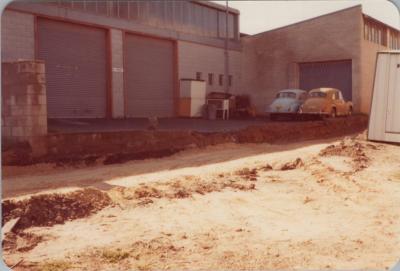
(260, 16)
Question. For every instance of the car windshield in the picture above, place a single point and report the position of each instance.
(318, 94)
(286, 95)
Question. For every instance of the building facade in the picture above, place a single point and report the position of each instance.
(333, 50)
(121, 59)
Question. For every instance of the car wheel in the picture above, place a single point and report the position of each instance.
(350, 111)
(333, 113)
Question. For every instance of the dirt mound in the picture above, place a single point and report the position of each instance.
(293, 165)
(113, 148)
(21, 241)
(350, 148)
(249, 174)
(178, 189)
(50, 209)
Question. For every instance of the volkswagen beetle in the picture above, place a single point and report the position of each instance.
(328, 102)
(286, 103)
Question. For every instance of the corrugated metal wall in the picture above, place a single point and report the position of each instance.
(149, 71)
(335, 74)
(75, 58)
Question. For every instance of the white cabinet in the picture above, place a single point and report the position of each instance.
(192, 98)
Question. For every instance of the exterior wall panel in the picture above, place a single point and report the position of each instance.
(369, 52)
(195, 58)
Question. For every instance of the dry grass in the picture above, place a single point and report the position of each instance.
(55, 266)
(114, 256)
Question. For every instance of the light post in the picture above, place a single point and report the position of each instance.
(226, 47)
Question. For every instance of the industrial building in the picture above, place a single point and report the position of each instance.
(122, 59)
(116, 59)
(336, 50)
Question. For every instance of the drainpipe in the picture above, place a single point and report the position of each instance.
(226, 48)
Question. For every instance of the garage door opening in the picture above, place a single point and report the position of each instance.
(75, 59)
(335, 74)
(149, 76)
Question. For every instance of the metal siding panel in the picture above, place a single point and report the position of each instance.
(393, 97)
(149, 76)
(75, 59)
(337, 74)
(376, 129)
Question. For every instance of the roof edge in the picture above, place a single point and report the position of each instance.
(376, 20)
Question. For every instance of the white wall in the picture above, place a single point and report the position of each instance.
(193, 57)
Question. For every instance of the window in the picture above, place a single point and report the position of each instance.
(198, 76)
(375, 32)
(286, 94)
(394, 40)
(221, 80)
(317, 94)
(230, 79)
(210, 79)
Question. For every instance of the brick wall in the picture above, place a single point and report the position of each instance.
(117, 79)
(194, 58)
(17, 36)
(269, 60)
(24, 106)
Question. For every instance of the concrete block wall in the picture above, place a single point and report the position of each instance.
(24, 102)
(117, 67)
(17, 36)
(193, 58)
(270, 59)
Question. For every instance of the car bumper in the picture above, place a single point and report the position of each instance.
(314, 113)
(282, 113)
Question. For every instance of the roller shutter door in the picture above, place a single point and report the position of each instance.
(75, 59)
(148, 76)
(335, 74)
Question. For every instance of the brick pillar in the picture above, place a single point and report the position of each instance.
(24, 102)
(117, 86)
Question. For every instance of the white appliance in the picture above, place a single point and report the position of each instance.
(192, 98)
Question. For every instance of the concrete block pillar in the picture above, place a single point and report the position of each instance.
(117, 66)
(24, 101)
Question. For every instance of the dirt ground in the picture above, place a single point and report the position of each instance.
(327, 204)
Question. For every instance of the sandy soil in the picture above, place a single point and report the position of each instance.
(225, 207)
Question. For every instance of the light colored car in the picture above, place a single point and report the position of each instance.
(287, 102)
(326, 102)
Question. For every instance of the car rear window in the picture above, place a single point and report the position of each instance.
(318, 94)
(286, 95)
